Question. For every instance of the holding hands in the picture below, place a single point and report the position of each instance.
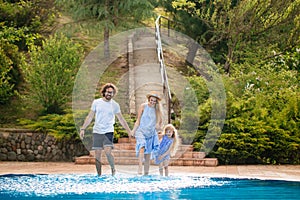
(82, 133)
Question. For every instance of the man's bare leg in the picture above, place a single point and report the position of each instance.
(98, 153)
(110, 159)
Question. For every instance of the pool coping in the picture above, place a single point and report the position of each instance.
(263, 172)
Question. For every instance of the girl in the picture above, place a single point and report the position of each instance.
(167, 147)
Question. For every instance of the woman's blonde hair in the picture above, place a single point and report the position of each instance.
(158, 110)
(175, 137)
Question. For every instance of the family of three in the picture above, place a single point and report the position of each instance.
(151, 142)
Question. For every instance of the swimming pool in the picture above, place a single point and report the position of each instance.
(122, 186)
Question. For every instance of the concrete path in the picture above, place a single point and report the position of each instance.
(270, 172)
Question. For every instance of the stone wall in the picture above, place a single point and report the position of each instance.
(26, 145)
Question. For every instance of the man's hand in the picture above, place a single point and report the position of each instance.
(81, 134)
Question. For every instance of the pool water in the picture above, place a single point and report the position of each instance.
(122, 186)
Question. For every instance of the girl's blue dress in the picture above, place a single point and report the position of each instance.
(164, 146)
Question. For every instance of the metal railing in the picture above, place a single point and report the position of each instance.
(163, 71)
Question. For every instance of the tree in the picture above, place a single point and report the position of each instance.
(255, 25)
(36, 15)
(109, 13)
(11, 61)
(52, 71)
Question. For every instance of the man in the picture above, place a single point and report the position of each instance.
(104, 109)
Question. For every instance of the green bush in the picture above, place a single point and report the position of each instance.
(10, 61)
(262, 119)
(51, 72)
(31, 14)
(60, 126)
(120, 132)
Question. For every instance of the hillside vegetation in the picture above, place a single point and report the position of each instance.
(255, 45)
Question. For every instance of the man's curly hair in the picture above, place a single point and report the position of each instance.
(106, 86)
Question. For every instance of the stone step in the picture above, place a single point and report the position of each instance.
(131, 146)
(144, 42)
(143, 56)
(134, 161)
(124, 154)
(132, 153)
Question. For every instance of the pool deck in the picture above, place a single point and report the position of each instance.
(265, 172)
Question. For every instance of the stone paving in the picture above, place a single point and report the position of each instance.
(271, 172)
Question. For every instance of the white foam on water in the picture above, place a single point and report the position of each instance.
(52, 185)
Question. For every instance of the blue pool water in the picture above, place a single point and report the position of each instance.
(121, 186)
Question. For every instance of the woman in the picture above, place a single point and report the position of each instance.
(148, 123)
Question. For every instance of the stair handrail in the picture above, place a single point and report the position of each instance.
(163, 71)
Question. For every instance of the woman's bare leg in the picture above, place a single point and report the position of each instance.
(141, 157)
(147, 164)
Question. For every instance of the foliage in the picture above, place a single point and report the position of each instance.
(20, 22)
(60, 126)
(289, 60)
(63, 126)
(52, 71)
(10, 62)
(259, 41)
(6, 88)
(262, 124)
(109, 14)
(119, 130)
(241, 30)
(35, 15)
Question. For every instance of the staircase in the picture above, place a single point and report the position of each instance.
(145, 76)
(144, 69)
(124, 153)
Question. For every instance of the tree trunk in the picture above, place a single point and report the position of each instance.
(106, 42)
(106, 32)
(193, 48)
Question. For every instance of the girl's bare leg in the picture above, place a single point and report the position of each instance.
(166, 171)
(161, 169)
(166, 166)
(147, 164)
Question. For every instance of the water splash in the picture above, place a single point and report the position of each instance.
(53, 185)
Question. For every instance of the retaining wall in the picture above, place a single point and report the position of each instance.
(27, 145)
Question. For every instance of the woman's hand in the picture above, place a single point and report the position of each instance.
(132, 133)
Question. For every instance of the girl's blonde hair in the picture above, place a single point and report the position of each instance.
(175, 137)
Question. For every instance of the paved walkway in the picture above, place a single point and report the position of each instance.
(271, 172)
